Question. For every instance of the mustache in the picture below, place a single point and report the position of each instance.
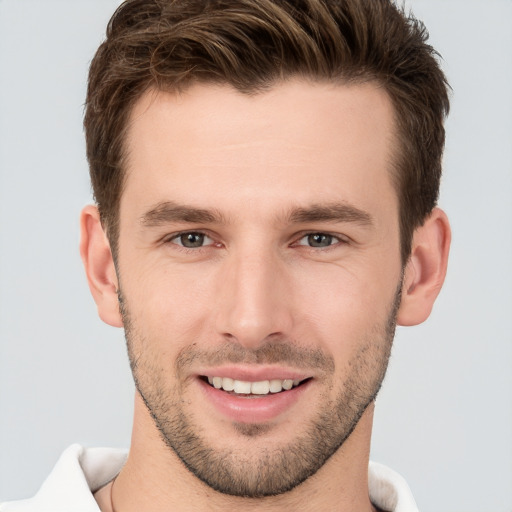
(272, 352)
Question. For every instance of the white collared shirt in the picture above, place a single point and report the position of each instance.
(82, 471)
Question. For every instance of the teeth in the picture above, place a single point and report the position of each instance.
(228, 384)
(242, 387)
(276, 386)
(260, 388)
(287, 384)
(263, 387)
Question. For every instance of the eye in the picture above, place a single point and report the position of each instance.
(191, 240)
(319, 240)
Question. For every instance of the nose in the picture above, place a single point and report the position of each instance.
(254, 300)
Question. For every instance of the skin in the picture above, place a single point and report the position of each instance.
(257, 163)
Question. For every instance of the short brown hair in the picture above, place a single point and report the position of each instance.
(253, 44)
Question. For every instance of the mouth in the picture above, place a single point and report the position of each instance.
(254, 395)
(253, 389)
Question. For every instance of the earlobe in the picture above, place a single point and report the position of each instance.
(426, 269)
(99, 266)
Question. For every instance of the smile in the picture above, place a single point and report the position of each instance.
(263, 387)
(253, 395)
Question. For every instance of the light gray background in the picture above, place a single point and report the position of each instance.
(444, 417)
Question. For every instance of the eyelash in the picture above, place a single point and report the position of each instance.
(336, 240)
(176, 236)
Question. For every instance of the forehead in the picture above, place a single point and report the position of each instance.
(300, 141)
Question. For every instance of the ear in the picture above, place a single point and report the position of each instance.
(99, 266)
(426, 269)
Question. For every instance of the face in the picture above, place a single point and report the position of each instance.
(259, 274)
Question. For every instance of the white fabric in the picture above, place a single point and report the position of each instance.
(389, 490)
(82, 471)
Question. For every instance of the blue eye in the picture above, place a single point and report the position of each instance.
(318, 240)
(192, 240)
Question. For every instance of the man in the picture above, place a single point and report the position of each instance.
(266, 176)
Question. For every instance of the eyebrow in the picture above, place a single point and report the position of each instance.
(339, 212)
(169, 211)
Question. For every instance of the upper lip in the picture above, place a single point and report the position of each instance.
(254, 373)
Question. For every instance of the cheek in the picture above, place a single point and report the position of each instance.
(168, 305)
(342, 308)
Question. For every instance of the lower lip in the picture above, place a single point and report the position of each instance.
(253, 408)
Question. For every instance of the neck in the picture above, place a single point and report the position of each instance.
(154, 479)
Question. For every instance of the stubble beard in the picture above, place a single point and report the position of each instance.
(271, 472)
